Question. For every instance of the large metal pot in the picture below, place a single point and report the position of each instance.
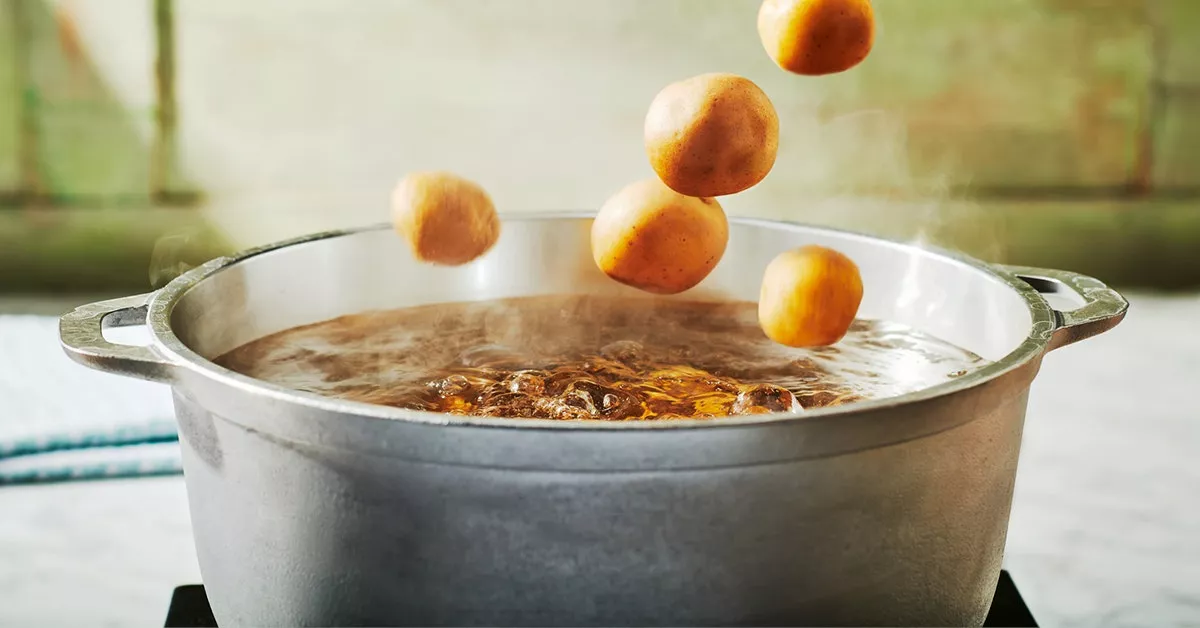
(315, 511)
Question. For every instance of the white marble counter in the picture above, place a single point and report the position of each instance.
(1105, 527)
(104, 553)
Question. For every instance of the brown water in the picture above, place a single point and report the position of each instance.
(592, 358)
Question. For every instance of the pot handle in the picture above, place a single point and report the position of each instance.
(81, 334)
(1102, 310)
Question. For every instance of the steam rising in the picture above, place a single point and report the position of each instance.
(856, 171)
(167, 260)
(583, 358)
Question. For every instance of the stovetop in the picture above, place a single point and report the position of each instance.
(189, 607)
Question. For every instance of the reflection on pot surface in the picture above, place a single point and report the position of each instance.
(593, 358)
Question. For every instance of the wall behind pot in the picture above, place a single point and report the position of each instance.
(971, 124)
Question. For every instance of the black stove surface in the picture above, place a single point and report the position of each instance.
(189, 607)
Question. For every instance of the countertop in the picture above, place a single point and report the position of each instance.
(1105, 526)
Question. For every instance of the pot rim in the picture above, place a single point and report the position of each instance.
(1044, 321)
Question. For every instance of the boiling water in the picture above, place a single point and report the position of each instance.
(593, 358)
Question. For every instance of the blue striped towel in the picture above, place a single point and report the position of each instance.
(61, 421)
(94, 463)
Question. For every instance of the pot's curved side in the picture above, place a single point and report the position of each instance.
(910, 534)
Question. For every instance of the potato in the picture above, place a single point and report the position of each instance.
(446, 219)
(711, 135)
(809, 297)
(817, 37)
(655, 239)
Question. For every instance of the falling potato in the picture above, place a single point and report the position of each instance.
(817, 37)
(809, 297)
(446, 219)
(712, 135)
(655, 239)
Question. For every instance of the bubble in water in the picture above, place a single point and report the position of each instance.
(765, 399)
(556, 408)
(623, 350)
(453, 385)
(586, 395)
(597, 399)
(505, 404)
(526, 382)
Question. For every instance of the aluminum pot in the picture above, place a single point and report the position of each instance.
(315, 511)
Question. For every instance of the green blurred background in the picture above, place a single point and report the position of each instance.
(139, 137)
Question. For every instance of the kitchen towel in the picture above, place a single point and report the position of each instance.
(62, 421)
(93, 463)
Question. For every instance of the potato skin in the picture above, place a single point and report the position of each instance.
(711, 135)
(809, 297)
(652, 238)
(817, 37)
(446, 219)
